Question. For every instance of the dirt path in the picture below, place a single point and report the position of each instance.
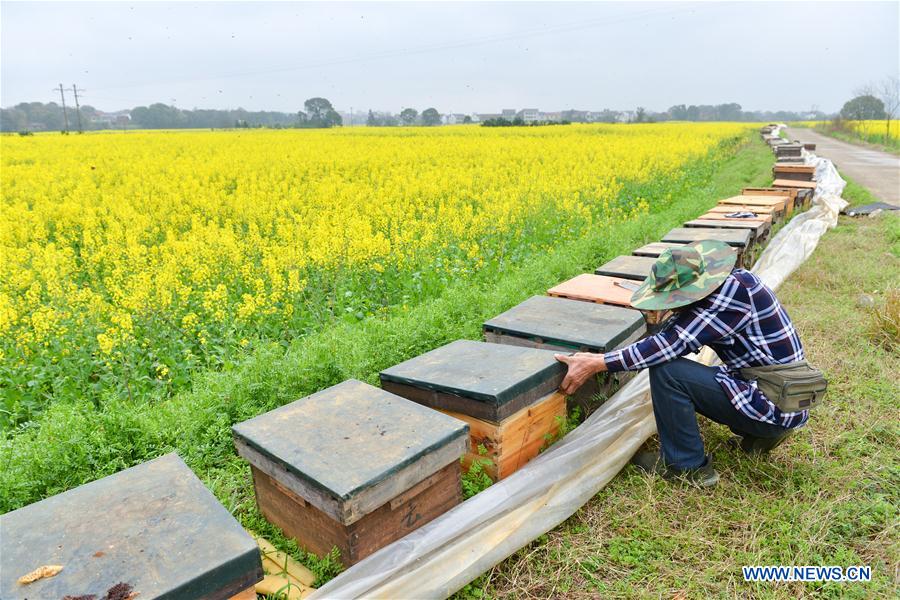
(877, 171)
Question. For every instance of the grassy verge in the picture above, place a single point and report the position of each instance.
(74, 443)
(851, 137)
(827, 497)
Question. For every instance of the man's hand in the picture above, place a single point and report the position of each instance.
(582, 365)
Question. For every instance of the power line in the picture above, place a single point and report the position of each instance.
(524, 34)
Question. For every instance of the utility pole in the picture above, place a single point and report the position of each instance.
(351, 116)
(65, 114)
(77, 107)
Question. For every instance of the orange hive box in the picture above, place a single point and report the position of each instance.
(604, 290)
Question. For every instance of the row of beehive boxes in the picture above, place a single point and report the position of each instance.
(356, 466)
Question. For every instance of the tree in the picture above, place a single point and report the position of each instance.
(371, 121)
(321, 114)
(640, 114)
(863, 108)
(408, 116)
(430, 116)
(467, 119)
(889, 93)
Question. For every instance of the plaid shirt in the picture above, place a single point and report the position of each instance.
(745, 325)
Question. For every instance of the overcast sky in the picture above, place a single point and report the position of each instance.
(459, 57)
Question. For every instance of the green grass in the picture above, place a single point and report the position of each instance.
(72, 443)
(827, 497)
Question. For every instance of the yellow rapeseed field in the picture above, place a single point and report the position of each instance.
(130, 259)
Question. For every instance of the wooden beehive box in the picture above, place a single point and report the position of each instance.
(792, 149)
(569, 326)
(759, 229)
(506, 393)
(565, 325)
(723, 212)
(790, 193)
(738, 239)
(782, 205)
(154, 527)
(353, 466)
(627, 267)
(602, 289)
(809, 147)
(794, 172)
(654, 249)
(768, 212)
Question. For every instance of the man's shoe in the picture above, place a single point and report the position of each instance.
(652, 462)
(758, 445)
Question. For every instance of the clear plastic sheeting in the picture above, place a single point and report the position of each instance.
(444, 555)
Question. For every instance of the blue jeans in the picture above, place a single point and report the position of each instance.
(680, 389)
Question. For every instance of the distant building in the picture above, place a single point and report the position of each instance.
(550, 116)
(529, 115)
(488, 116)
(508, 113)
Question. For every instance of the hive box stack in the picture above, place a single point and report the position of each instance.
(789, 153)
(615, 291)
(793, 172)
(739, 239)
(780, 205)
(792, 197)
(352, 466)
(507, 395)
(570, 326)
(154, 529)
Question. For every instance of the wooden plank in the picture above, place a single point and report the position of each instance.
(155, 527)
(565, 324)
(604, 290)
(518, 439)
(488, 381)
(350, 448)
(794, 168)
(318, 533)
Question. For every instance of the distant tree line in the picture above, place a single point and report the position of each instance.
(26, 116)
(731, 111)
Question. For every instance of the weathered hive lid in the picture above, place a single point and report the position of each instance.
(597, 288)
(154, 527)
(350, 448)
(578, 325)
(794, 183)
(722, 215)
(757, 227)
(760, 200)
(483, 380)
(628, 267)
(794, 168)
(739, 238)
(654, 249)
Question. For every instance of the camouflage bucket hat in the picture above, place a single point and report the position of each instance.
(684, 275)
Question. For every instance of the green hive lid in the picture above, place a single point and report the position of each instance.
(494, 374)
(352, 447)
(154, 526)
(656, 248)
(627, 267)
(572, 323)
(733, 237)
